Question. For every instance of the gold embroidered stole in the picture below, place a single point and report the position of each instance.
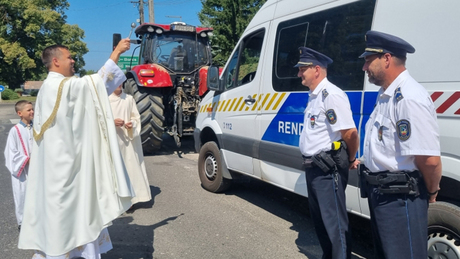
(50, 120)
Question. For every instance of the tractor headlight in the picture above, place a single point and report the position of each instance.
(147, 72)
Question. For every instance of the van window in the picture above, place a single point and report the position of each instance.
(337, 32)
(244, 62)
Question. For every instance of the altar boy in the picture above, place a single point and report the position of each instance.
(17, 154)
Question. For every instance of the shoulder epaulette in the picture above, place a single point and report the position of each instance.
(398, 94)
(325, 93)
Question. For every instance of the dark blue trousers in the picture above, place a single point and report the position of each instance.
(399, 224)
(326, 200)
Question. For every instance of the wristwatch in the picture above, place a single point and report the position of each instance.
(433, 193)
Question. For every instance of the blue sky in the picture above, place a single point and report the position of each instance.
(101, 18)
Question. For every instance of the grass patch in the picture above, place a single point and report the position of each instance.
(27, 98)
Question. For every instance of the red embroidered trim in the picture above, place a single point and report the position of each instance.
(25, 151)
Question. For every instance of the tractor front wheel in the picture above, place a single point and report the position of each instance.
(150, 105)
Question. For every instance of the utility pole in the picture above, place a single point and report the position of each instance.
(151, 12)
(141, 10)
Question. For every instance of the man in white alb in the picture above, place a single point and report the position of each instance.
(77, 180)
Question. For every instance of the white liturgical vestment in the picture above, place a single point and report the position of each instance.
(124, 107)
(17, 155)
(77, 180)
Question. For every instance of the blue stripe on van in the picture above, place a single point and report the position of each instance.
(286, 126)
(368, 107)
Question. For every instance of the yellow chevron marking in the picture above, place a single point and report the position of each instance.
(242, 105)
(279, 100)
(231, 106)
(226, 105)
(214, 106)
(263, 102)
(257, 102)
(271, 101)
(223, 103)
(238, 103)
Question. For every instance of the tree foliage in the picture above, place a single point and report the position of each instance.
(229, 19)
(84, 72)
(26, 28)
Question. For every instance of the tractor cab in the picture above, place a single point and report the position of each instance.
(169, 80)
(179, 48)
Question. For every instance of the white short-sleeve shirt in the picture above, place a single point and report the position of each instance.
(328, 111)
(402, 125)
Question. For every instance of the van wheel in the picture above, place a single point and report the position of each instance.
(443, 231)
(210, 168)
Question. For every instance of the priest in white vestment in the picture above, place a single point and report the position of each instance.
(17, 155)
(128, 126)
(77, 180)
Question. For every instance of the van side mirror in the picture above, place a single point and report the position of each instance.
(213, 81)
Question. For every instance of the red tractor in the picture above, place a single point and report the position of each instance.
(169, 80)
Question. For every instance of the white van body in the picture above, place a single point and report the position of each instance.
(251, 123)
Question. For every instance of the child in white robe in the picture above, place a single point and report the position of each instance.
(128, 126)
(17, 154)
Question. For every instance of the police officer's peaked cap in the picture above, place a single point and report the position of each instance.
(381, 43)
(309, 57)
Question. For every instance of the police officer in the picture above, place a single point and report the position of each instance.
(327, 118)
(401, 151)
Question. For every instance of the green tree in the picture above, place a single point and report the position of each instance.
(229, 19)
(84, 72)
(26, 28)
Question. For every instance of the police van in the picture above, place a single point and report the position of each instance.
(251, 119)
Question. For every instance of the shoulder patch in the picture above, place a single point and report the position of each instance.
(331, 117)
(398, 94)
(403, 129)
(325, 93)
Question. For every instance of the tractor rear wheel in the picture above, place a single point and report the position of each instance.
(150, 105)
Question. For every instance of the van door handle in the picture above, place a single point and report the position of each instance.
(249, 100)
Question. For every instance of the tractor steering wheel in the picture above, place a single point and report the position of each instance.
(165, 58)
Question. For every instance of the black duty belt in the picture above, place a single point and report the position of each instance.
(405, 182)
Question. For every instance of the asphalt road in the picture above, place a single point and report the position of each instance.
(251, 220)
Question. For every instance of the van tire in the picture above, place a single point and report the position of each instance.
(149, 103)
(443, 231)
(210, 168)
